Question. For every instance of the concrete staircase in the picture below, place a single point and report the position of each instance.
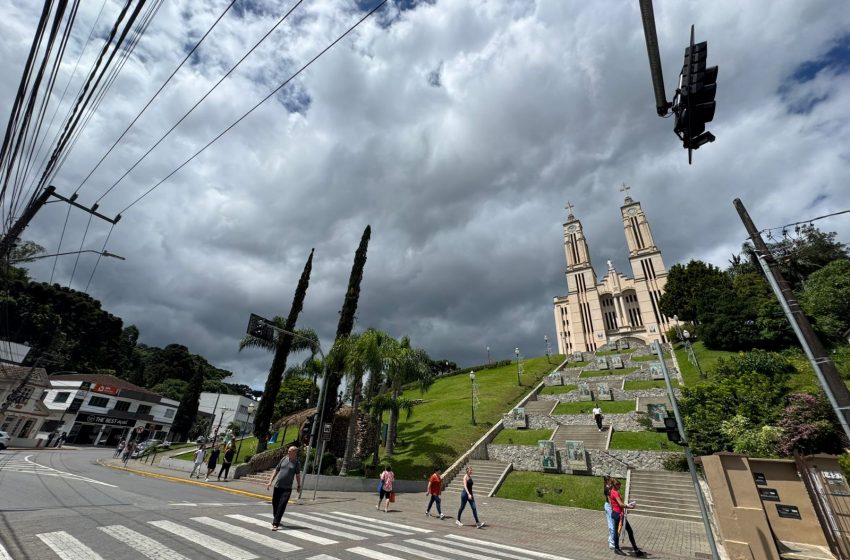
(539, 408)
(485, 474)
(665, 494)
(589, 434)
(261, 477)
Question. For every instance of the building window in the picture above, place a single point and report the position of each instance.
(25, 431)
(61, 397)
(144, 409)
(169, 413)
(122, 405)
(100, 402)
(243, 409)
(7, 423)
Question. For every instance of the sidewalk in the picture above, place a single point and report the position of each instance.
(568, 532)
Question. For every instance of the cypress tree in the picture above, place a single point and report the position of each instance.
(265, 410)
(188, 409)
(346, 318)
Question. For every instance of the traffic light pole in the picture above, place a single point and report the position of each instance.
(662, 106)
(828, 376)
(703, 509)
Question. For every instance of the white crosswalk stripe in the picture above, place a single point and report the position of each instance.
(414, 551)
(303, 535)
(67, 547)
(367, 524)
(4, 554)
(322, 557)
(142, 543)
(441, 548)
(385, 523)
(481, 549)
(544, 555)
(206, 541)
(250, 536)
(376, 555)
(304, 521)
(346, 526)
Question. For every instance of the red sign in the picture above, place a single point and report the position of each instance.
(105, 389)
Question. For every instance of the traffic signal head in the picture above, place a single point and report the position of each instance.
(672, 430)
(695, 103)
(260, 328)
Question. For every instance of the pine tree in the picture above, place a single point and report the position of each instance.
(188, 409)
(346, 319)
(265, 410)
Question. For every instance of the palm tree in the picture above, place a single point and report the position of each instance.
(404, 365)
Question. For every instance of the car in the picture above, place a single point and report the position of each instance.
(4, 440)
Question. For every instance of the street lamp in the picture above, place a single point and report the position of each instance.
(488, 355)
(472, 385)
(518, 382)
(35, 257)
(548, 348)
(251, 408)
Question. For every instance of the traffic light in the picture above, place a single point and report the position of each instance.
(694, 104)
(260, 328)
(672, 430)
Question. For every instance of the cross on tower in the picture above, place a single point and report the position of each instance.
(569, 208)
(625, 188)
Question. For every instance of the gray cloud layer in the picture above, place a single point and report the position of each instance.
(458, 130)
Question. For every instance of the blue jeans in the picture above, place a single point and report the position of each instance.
(610, 525)
(464, 499)
(431, 502)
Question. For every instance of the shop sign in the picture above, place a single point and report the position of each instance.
(105, 389)
(106, 420)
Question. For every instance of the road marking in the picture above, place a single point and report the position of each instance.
(4, 554)
(508, 547)
(442, 548)
(482, 549)
(387, 523)
(323, 557)
(250, 536)
(283, 529)
(414, 551)
(353, 524)
(374, 554)
(37, 468)
(67, 547)
(307, 523)
(142, 543)
(206, 541)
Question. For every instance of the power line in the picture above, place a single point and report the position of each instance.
(148, 104)
(195, 106)
(804, 222)
(251, 110)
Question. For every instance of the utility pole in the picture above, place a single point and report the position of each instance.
(647, 14)
(834, 387)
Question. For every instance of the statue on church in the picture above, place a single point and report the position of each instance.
(610, 265)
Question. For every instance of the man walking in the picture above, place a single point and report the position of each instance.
(288, 469)
(435, 486)
(199, 461)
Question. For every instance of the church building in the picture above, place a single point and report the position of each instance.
(595, 313)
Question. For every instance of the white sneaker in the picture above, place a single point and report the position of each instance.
(427, 514)
(458, 523)
(206, 480)
(480, 525)
(442, 516)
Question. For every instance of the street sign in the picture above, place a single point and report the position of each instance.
(326, 431)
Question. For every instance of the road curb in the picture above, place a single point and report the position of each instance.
(263, 497)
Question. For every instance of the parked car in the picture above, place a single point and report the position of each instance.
(4, 440)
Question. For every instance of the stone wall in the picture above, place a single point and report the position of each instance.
(613, 462)
(619, 394)
(621, 422)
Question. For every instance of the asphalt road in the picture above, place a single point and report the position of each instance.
(62, 504)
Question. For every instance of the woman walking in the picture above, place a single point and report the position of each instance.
(597, 416)
(435, 487)
(213, 461)
(387, 479)
(618, 513)
(466, 497)
(608, 518)
(227, 461)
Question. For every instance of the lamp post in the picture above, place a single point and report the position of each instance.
(685, 337)
(251, 408)
(548, 348)
(472, 395)
(518, 381)
(488, 355)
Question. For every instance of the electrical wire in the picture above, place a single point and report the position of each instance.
(251, 110)
(97, 262)
(804, 222)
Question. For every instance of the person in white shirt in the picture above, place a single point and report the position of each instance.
(199, 461)
(597, 415)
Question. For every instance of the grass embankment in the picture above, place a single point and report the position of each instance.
(573, 365)
(615, 352)
(585, 407)
(640, 384)
(556, 489)
(440, 429)
(249, 447)
(557, 389)
(649, 357)
(607, 372)
(649, 441)
(707, 360)
(522, 437)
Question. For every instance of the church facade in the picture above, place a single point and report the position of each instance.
(595, 313)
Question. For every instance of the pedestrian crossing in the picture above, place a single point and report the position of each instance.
(239, 537)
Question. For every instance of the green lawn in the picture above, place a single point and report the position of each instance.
(707, 360)
(649, 358)
(607, 372)
(615, 352)
(440, 429)
(557, 389)
(576, 364)
(651, 441)
(249, 446)
(522, 437)
(639, 384)
(556, 489)
(585, 407)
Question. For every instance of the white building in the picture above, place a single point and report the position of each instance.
(26, 414)
(103, 409)
(227, 409)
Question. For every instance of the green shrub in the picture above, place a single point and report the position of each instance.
(676, 462)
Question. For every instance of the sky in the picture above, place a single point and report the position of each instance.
(458, 130)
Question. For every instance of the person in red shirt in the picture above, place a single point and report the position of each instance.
(435, 486)
(618, 508)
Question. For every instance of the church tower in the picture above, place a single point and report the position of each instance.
(650, 274)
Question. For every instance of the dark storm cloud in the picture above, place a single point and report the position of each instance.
(458, 130)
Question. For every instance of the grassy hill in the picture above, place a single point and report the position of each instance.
(440, 429)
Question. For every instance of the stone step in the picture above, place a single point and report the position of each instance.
(664, 488)
(684, 502)
(666, 475)
(646, 512)
(651, 494)
(661, 508)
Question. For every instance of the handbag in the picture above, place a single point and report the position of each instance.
(380, 485)
(392, 497)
